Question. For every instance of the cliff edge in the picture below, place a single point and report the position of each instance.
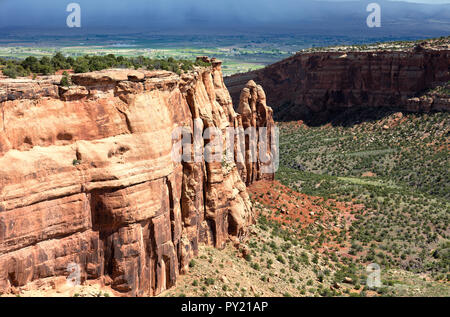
(88, 181)
(317, 84)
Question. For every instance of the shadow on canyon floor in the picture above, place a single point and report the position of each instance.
(343, 117)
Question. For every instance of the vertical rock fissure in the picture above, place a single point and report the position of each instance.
(133, 218)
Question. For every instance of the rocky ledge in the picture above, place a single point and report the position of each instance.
(87, 178)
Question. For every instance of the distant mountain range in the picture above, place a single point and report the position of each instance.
(231, 16)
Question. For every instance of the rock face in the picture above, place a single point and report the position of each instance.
(87, 177)
(318, 84)
(437, 99)
(255, 114)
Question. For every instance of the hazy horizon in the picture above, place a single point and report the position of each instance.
(427, 18)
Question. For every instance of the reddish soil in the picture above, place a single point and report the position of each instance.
(293, 124)
(296, 211)
(369, 174)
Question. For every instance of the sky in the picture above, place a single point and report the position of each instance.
(177, 14)
(428, 1)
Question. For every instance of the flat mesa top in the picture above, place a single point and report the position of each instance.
(50, 86)
(102, 75)
(399, 46)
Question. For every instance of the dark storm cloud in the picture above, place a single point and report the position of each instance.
(205, 14)
(151, 12)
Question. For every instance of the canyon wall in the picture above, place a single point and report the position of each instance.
(87, 176)
(319, 84)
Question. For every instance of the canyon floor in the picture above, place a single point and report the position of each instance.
(277, 270)
(371, 187)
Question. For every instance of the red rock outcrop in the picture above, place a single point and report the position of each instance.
(255, 114)
(87, 177)
(437, 99)
(317, 84)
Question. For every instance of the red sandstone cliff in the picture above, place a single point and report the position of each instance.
(316, 84)
(87, 177)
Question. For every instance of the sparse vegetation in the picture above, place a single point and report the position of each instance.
(396, 169)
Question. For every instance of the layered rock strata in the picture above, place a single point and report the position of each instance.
(255, 114)
(87, 177)
(319, 84)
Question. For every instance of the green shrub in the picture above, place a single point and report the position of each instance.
(87, 63)
(65, 80)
